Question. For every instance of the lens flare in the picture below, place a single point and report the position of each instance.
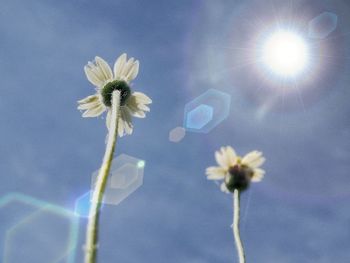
(285, 53)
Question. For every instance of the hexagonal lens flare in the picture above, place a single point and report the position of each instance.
(322, 25)
(36, 231)
(83, 204)
(125, 178)
(199, 117)
(177, 134)
(207, 111)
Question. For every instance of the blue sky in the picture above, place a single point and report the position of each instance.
(298, 213)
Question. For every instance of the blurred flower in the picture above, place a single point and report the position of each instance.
(236, 172)
(133, 104)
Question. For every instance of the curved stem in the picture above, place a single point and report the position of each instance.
(236, 207)
(100, 186)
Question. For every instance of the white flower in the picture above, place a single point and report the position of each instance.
(236, 172)
(132, 104)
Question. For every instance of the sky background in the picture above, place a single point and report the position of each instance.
(298, 213)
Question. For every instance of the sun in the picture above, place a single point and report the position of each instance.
(285, 53)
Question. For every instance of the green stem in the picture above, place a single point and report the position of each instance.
(100, 186)
(236, 207)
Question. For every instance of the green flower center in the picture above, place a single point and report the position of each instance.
(238, 177)
(108, 89)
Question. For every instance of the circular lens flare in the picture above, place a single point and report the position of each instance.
(285, 53)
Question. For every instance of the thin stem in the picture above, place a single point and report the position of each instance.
(100, 186)
(236, 207)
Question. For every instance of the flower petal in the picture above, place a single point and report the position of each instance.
(119, 65)
(137, 113)
(93, 77)
(135, 108)
(258, 175)
(88, 99)
(97, 73)
(132, 74)
(225, 157)
(94, 112)
(224, 189)
(253, 159)
(231, 156)
(127, 68)
(220, 159)
(142, 98)
(108, 119)
(124, 122)
(120, 127)
(88, 106)
(143, 107)
(104, 68)
(90, 103)
(215, 173)
(126, 117)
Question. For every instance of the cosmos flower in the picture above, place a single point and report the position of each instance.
(132, 104)
(236, 172)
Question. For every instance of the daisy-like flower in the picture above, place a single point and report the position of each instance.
(235, 171)
(132, 104)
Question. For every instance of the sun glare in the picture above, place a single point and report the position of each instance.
(285, 53)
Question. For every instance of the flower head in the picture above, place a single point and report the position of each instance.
(236, 172)
(132, 104)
